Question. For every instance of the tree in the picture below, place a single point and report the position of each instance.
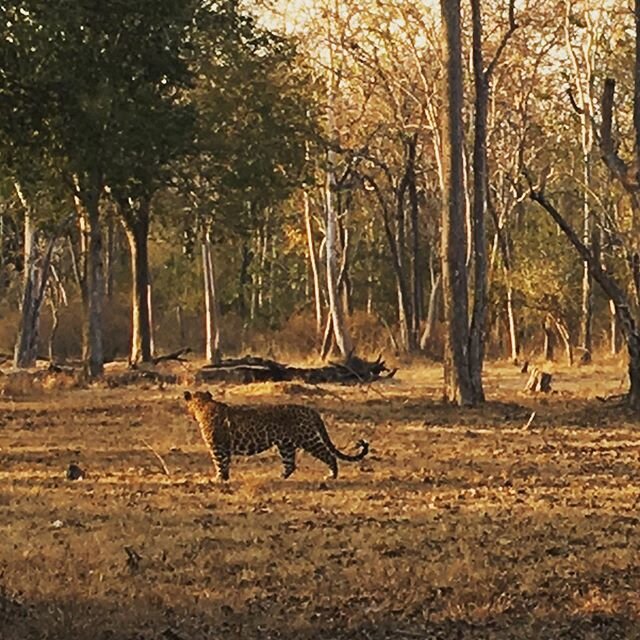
(458, 383)
(255, 114)
(155, 129)
(481, 79)
(626, 173)
(92, 86)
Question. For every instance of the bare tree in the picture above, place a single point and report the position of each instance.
(481, 81)
(458, 385)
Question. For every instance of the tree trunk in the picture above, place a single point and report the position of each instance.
(549, 340)
(272, 275)
(480, 180)
(25, 350)
(432, 312)
(211, 303)
(613, 330)
(502, 244)
(586, 318)
(244, 280)
(417, 268)
(136, 224)
(458, 385)
(395, 241)
(336, 309)
(57, 298)
(405, 313)
(110, 257)
(563, 332)
(36, 275)
(582, 60)
(633, 347)
(55, 322)
(92, 348)
(511, 320)
(180, 323)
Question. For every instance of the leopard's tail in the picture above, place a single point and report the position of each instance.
(364, 449)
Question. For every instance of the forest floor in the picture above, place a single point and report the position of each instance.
(459, 524)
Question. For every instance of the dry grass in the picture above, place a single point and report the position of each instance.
(460, 524)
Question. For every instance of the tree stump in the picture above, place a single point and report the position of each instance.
(539, 381)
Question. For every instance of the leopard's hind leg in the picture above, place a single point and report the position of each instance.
(288, 454)
(318, 449)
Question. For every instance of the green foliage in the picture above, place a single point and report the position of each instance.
(254, 98)
(547, 277)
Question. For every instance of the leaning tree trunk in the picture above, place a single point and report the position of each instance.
(136, 224)
(611, 289)
(458, 385)
(211, 303)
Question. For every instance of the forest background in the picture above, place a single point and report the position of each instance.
(284, 180)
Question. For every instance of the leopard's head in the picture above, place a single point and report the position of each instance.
(197, 401)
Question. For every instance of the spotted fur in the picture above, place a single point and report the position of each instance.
(246, 430)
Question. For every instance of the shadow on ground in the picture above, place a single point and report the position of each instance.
(148, 619)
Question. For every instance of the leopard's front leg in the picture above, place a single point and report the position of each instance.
(217, 441)
(221, 461)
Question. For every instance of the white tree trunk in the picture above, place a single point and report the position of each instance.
(336, 309)
(211, 304)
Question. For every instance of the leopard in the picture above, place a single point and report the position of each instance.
(247, 430)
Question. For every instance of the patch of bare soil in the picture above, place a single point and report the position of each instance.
(480, 523)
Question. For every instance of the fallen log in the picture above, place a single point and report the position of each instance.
(174, 355)
(255, 369)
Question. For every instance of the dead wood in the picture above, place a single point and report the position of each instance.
(174, 355)
(136, 375)
(255, 369)
(615, 397)
(160, 459)
(539, 381)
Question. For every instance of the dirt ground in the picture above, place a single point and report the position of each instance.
(459, 524)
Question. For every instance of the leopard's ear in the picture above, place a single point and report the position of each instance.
(187, 395)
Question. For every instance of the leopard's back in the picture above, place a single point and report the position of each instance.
(253, 429)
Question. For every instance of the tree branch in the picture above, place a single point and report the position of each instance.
(611, 158)
(513, 25)
(606, 282)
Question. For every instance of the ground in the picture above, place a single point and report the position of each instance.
(459, 524)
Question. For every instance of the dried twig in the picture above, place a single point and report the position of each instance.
(159, 457)
(530, 420)
(613, 396)
(133, 558)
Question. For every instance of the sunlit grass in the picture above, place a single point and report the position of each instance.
(458, 524)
